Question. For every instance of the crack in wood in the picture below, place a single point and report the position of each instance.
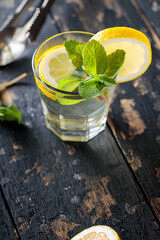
(135, 162)
(10, 214)
(111, 124)
(146, 21)
(122, 135)
(155, 202)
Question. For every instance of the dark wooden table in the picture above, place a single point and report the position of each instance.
(52, 189)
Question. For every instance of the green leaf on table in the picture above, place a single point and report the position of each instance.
(11, 113)
(69, 85)
(94, 58)
(74, 50)
(114, 62)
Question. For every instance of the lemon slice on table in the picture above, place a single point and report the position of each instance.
(98, 232)
(136, 45)
(55, 65)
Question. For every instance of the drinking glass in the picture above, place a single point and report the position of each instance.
(82, 120)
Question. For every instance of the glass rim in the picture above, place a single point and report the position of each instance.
(38, 48)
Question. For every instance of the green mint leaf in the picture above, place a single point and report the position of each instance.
(91, 78)
(90, 89)
(94, 58)
(108, 81)
(93, 85)
(69, 85)
(74, 50)
(114, 62)
(79, 48)
(11, 113)
(100, 78)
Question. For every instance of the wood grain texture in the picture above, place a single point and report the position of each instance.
(135, 112)
(134, 117)
(152, 11)
(7, 229)
(59, 189)
(56, 189)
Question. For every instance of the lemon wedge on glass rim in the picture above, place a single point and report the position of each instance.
(136, 45)
(99, 232)
(56, 65)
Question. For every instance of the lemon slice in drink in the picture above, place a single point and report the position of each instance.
(136, 45)
(98, 232)
(55, 65)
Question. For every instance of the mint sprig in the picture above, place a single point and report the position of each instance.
(100, 70)
(10, 113)
(90, 89)
(93, 85)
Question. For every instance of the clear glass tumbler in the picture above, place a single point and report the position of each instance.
(80, 121)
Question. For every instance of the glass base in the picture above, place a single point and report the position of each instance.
(79, 122)
(76, 136)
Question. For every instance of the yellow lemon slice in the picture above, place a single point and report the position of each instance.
(136, 45)
(98, 232)
(55, 65)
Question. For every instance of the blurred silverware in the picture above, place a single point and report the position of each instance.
(13, 37)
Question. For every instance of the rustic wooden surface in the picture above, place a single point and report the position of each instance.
(151, 10)
(52, 189)
(135, 113)
(7, 228)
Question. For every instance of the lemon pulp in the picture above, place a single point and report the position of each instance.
(55, 65)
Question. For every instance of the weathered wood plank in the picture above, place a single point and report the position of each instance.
(135, 119)
(59, 189)
(152, 10)
(56, 189)
(7, 229)
(134, 116)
